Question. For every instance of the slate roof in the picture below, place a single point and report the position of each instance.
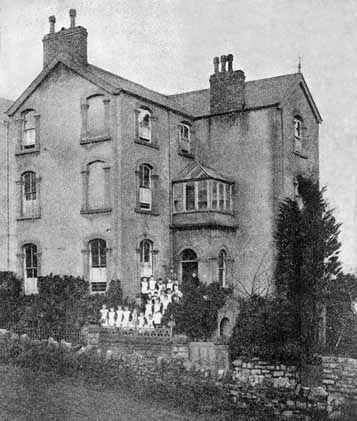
(258, 93)
(198, 171)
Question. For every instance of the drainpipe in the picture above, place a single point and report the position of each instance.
(170, 193)
(6, 124)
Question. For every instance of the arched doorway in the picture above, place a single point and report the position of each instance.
(225, 327)
(189, 265)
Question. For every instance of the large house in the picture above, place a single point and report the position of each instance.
(109, 179)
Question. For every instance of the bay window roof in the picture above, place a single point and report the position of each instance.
(197, 171)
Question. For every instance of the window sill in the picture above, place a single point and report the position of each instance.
(204, 211)
(95, 211)
(20, 152)
(186, 154)
(143, 142)
(28, 218)
(147, 211)
(95, 139)
(300, 154)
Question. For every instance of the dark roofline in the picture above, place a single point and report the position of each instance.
(260, 107)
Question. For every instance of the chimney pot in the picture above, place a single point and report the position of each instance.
(216, 64)
(52, 20)
(72, 15)
(223, 63)
(230, 62)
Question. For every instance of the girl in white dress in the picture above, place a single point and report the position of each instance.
(126, 317)
(148, 309)
(119, 316)
(111, 317)
(103, 316)
(141, 321)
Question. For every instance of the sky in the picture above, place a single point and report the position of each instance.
(169, 45)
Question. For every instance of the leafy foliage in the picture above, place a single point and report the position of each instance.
(265, 329)
(341, 337)
(62, 302)
(10, 289)
(196, 314)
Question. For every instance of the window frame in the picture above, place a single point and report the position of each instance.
(221, 186)
(22, 147)
(146, 267)
(29, 196)
(86, 137)
(298, 134)
(144, 112)
(145, 187)
(30, 280)
(106, 207)
(98, 285)
(185, 143)
(222, 268)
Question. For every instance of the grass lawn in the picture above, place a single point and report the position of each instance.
(30, 397)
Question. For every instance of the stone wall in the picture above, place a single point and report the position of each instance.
(258, 372)
(339, 377)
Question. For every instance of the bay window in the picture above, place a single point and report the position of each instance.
(202, 195)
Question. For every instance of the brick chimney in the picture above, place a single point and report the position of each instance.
(226, 86)
(71, 42)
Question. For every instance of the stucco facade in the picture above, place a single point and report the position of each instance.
(244, 144)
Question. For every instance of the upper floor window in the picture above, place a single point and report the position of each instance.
(96, 126)
(202, 195)
(144, 124)
(185, 137)
(145, 186)
(98, 265)
(95, 116)
(30, 268)
(298, 123)
(96, 187)
(29, 194)
(29, 130)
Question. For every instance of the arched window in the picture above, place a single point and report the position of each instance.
(145, 187)
(96, 185)
(189, 266)
(96, 115)
(144, 124)
(29, 194)
(298, 134)
(98, 265)
(30, 268)
(222, 267)
(146, 258)
(225, 328)
(29, 130)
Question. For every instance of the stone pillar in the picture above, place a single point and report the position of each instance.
(107, 201)
(84, 175)
(106, 102)
(37, 130)
(84, 117)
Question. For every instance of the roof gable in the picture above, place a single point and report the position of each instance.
(81, 70)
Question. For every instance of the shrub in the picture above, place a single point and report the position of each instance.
(62, 302)
(265, 328)
(196, 314)
(10, 297)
